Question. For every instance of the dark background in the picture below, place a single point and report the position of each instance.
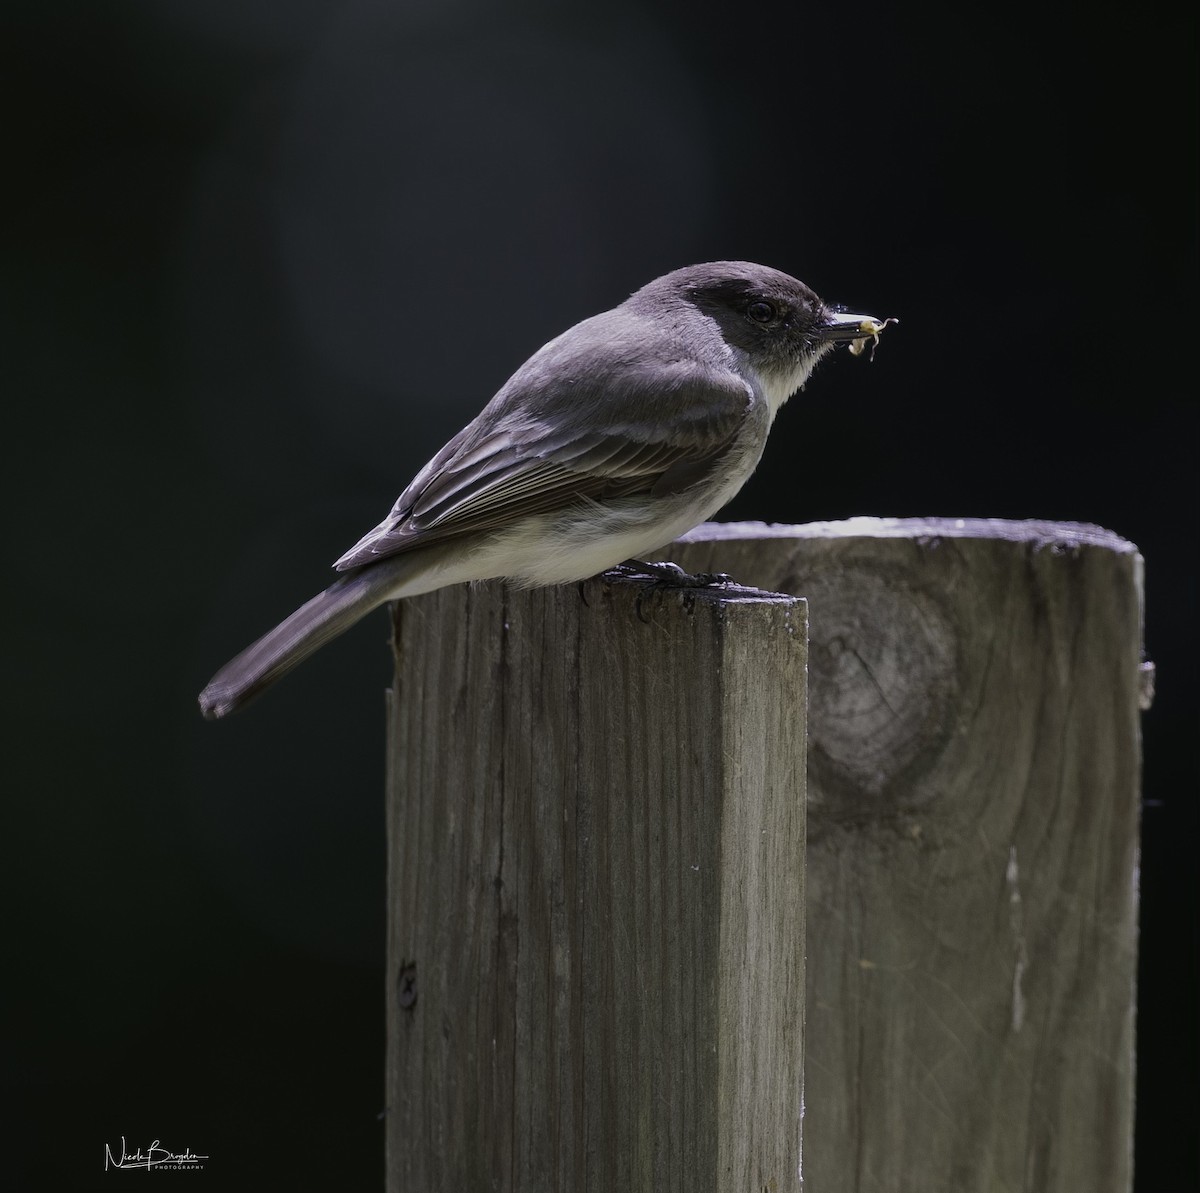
(262, 259)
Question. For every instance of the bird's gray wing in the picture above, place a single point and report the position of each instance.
(499, 470)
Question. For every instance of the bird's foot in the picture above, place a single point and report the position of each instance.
(663, 576)
(667, 575)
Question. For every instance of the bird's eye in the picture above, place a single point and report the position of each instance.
(761, 312)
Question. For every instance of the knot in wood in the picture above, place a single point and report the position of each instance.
(882, 681)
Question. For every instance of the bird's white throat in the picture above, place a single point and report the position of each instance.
(779, 385)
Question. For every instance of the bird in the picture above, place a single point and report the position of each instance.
(609, 442)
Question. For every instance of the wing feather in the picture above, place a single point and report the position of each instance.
(490, 475)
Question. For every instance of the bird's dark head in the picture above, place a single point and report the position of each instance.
(772, 322)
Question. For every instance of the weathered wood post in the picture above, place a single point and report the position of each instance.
(596, 891)
(972, 848)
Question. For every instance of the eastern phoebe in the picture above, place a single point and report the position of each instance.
(609, 442)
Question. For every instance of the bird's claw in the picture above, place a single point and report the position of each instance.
(663, 575)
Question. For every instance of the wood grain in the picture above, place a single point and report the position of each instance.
(596, 886)
(973, 844)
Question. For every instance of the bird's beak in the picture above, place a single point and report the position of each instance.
(841, 326)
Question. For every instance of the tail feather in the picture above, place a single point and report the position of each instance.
(328, 614)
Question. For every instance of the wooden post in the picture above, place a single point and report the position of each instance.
(973, 841)
(596, 891)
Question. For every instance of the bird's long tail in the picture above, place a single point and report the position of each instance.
(328, 614)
